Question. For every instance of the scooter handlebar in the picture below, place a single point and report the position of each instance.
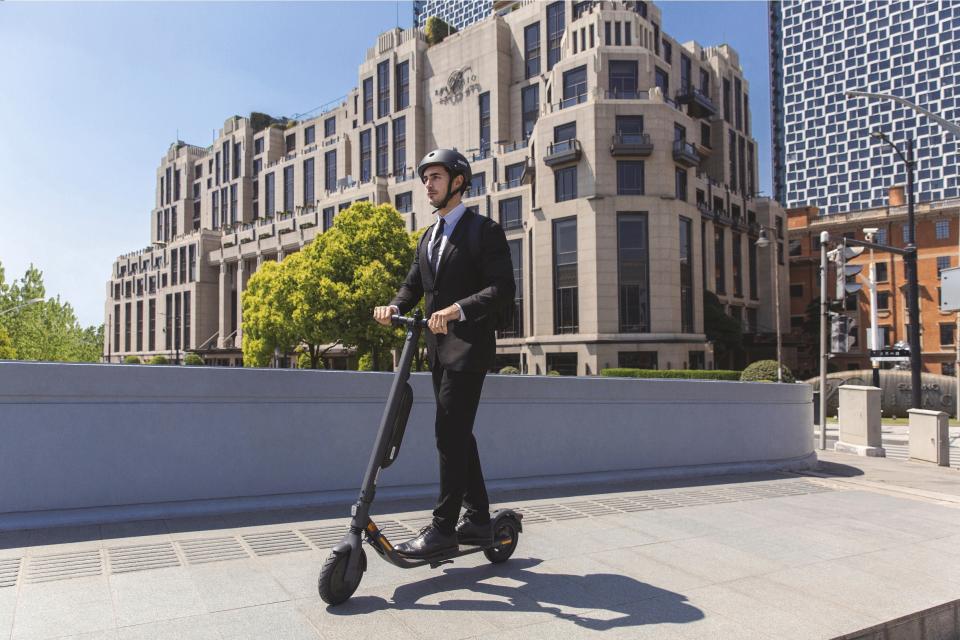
(404, 321)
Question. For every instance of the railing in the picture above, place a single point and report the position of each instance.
(474, 192)
(563, 146)
(310, 149)
(509, 184)
(513, 146)
(580, 98)
(482, 154)
(405, 174)
(632, 138)
(619, 94)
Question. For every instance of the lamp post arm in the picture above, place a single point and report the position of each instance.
(952, 127)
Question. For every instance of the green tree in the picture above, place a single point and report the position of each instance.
(725, 332)
(46, 330)
(267, 309)
(436, 29)
(7, 352)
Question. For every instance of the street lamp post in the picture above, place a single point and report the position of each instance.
(763, 241)
(911, 258)
(910, 266)
(21, 305)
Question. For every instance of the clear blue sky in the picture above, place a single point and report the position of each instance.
(94, 93)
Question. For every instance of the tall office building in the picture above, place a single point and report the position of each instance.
(823, 153)
(458, 13)
(619, 162)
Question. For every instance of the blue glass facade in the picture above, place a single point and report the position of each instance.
(823, 153)
(457, 13)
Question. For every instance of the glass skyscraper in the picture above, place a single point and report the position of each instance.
(457, 13)
(823, 154)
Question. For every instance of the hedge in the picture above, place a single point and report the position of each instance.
(765, 371)
(508, 370)
(131, 360)
(193, 360)
(684, 374)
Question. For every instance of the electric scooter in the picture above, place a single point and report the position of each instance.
(344, 568)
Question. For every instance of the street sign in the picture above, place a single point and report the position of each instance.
(890, 354)
(950, 289)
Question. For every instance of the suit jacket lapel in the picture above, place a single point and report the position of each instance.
(453, 241)
(426, 271)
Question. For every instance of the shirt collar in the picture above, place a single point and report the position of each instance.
(451, 219)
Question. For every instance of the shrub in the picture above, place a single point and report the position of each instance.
(553, 372)
(131, 360)
(765, 371)
(509, 371)
(436, 29)
(683, 374)
(193, 360)
(158, 359)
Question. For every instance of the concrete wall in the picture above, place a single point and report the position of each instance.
(79, 436)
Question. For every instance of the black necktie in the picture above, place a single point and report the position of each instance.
(435, 246)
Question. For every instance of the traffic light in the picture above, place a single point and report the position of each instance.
(838, 333)
(846, 273)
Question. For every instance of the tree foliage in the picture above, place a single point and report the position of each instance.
(765, 371)
(324, 294)
(47, 330)
(436, 29)
(724, 332)
(7, 352)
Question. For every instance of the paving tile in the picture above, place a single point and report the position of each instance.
(63, 608)
(362, 616)
(298, 572)
(149, 596)
(278, 621)
(110, 634)
(8, 604)
(234, 584)
(195, 628)
(649, 570)
(712, 561)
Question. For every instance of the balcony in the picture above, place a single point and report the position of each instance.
(631, 144)
(685, 153)
(698, 104)
(620, 94)
(404, 175)
(482, 154)
(509, 184)
(513, 146)
(561, 152)
(572, 101)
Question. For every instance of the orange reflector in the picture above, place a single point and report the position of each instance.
(507, 541)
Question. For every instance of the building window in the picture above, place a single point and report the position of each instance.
(403, 85)
(667, 51)
(309, 135)
(906, 234)
(638, 360)
(686, 275)
(404, 202)
(327, 218)
(883, 300)
(530, 104)
(629, 129)
(531, 48)
(623, 78)
(126, 327)
(796, 291)
(574, 87)
(288, 188)
(484, 104)
(330, 167)
(186, 319)
(514, 174)
(478, 185)
(738, 102)
(662, 81)
(399, 146)
(946, 334)
(948, 368)
(563, 363)
(365, 156)
(680, 183)
(719, 261)
(510, 215)
(308, 191)
(233, 204)
(565, 183)
(330, 127)
(140, 325)
(727, 113)
(383, 89)
(943, 229)
(383, 150)
(737, 264)
(565, 305)
(269, 184)
(943, 262)
(516, 255)
(633, 263)
(152, 337)
(257, 146)
(192, 263)
(556, 23)
(630, 177)
(881, 271)
(291, 144)
(367, 100)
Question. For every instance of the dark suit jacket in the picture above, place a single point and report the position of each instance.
(479, 285)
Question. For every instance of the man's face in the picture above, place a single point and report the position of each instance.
(436, 180)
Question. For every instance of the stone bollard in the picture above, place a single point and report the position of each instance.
(859, 417)
(929, 437)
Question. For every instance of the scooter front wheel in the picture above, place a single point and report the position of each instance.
(505, 540)
(333, 586)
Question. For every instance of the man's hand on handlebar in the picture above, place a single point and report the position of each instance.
(382, 314)
(438, 321)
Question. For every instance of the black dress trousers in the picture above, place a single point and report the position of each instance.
(461, 479)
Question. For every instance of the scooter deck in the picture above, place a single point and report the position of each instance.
(386, 550)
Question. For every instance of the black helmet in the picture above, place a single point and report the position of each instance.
(456, 165)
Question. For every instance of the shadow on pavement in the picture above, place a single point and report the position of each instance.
(837, 469)
(612, 600)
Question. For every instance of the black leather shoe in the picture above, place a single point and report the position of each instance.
(468, 532)
(430, 542)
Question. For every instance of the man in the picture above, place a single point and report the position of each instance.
(466, 280)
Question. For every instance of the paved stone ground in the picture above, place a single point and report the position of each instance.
(762, 556)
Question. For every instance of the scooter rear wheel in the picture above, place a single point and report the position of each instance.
(333, 585)
(505, 540)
